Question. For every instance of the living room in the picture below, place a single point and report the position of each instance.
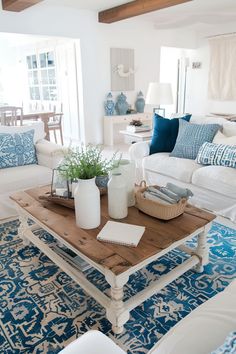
(43, 309)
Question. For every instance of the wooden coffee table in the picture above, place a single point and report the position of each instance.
(116, 262)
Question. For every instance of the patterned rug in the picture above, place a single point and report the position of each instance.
(42, 309)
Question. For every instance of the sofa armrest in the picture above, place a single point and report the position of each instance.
(137, 152)
(49, 154)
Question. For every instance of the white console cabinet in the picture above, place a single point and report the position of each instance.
(113, 125)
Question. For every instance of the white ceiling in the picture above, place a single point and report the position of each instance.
(193, 13)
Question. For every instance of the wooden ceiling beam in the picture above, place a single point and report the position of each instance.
(135, 8)
(18, 5)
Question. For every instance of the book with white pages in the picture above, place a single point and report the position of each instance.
(121, 233)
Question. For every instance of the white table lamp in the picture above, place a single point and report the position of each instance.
(159, 93)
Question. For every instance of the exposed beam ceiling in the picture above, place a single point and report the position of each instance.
(135, 8)
(18, 5)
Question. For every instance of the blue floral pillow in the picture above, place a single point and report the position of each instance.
(229, 346)
(17, 149)
(191, 137)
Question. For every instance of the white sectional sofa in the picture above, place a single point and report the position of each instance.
(23, 177)
(200, 332)
(214, 187)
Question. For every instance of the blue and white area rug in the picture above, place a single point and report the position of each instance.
(42, 309)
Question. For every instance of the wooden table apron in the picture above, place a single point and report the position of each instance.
(43, 116)
(117, 310)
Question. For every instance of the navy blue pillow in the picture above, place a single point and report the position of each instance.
(165, 133)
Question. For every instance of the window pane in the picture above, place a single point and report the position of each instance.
(50, 59)
(52, 76)
(30, 78)
(35, 77)
(43, 60)
(44, 77)
(34, 61)
(29, 62)
(46, 95)
(34, 93)
(53, 93)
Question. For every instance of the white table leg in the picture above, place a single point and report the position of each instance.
(202, 250)
(23, 228)
(117, 313)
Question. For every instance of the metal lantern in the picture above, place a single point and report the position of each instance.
(60, 186)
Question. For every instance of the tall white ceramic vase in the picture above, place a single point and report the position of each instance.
(117, 197)
(127, 169)
(87, 204)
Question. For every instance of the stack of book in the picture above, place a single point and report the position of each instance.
(73, 259)
(138, 129)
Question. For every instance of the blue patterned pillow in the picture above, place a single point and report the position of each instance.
(17, 149)
(191, 137)
(229, 346)
(217, 154)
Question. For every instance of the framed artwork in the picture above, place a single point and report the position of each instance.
(122, 69)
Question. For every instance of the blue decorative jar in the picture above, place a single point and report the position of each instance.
(121, 105)
(140, 103)
(109, 105)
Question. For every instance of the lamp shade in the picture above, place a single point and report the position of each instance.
(159, 93)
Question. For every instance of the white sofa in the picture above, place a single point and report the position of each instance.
(214, 187)
(24, 177)
(200, 332)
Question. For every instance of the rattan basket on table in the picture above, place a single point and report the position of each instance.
(156, 209)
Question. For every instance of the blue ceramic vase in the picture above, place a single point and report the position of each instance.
(121, 104)
(140, 103)
(109, 105)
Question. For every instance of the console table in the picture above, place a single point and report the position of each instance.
(113, 124)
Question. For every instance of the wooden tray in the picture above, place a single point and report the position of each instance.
(67, 202)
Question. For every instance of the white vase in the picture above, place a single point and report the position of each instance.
(127, 169)
(87, 204)
(117, 197)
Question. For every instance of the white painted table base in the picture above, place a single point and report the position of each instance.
(118, 310)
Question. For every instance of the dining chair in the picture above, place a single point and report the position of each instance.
(9, 115)
(55, 123)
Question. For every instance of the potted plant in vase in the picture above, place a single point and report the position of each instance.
(83, 164)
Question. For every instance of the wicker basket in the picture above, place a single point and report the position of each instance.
(156, 209)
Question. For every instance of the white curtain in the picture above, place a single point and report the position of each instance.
(222, 73)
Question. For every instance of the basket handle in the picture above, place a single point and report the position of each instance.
(143, 184)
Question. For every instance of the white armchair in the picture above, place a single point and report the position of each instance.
(24, 177)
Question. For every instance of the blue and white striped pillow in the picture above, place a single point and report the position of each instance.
(217, 154)
(229, 346)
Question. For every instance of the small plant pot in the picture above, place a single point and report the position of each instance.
(101, 183)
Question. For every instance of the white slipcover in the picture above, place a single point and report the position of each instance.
(216, 178)
(180, 169)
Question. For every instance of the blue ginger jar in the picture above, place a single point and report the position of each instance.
(109, 105)
(121, 105)
(140, 103)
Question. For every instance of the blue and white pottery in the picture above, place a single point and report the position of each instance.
(140, 103)
(109, 105)
(121, 105)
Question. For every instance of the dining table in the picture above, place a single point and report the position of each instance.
(44, 116)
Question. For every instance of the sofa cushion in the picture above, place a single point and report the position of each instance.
(219, 179)
(38, 128)
(191, 137)
(217, 154)
(180, 169)
(23, 177)
(165, 132)
(17, 149)
(220, 138)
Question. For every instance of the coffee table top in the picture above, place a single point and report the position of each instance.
(158, 234)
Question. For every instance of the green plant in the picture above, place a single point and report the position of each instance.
(86, 162)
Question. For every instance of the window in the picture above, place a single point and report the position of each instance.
(42, 76)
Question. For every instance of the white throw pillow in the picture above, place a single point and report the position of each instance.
(38, 128)
(223, 139)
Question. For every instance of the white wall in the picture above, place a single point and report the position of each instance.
(96, 41)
